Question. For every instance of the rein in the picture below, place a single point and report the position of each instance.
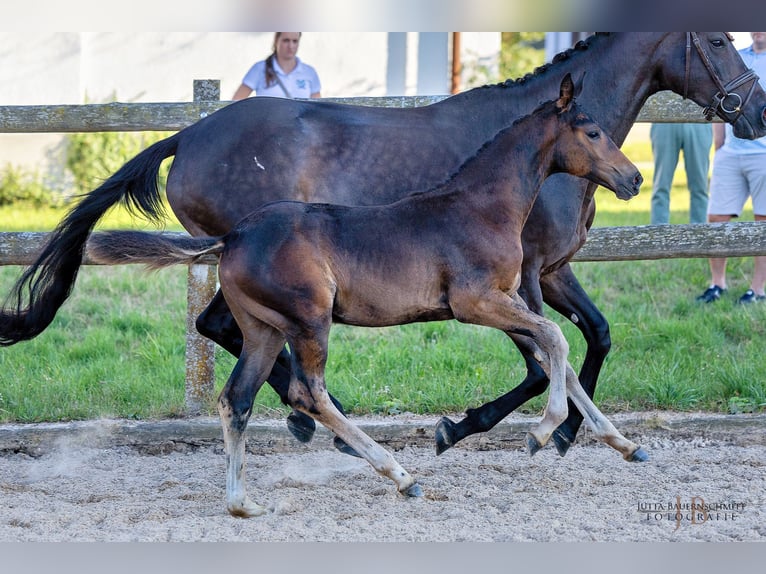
(723, 89)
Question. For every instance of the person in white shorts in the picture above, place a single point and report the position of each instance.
(739, 173)
(283, 74)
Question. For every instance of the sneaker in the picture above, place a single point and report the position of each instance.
(751, 297)
(711, 294)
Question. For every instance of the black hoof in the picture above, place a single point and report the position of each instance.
(414, 491)
(301, 426)
(640, 455)
(561, 441)
(343, 447)
(444, 435)
(533, 445)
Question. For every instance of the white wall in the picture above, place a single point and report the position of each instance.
(78, 67)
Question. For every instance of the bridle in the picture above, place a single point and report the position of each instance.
(727, 101)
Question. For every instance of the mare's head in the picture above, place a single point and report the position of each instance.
(706, 68)
(583, 149)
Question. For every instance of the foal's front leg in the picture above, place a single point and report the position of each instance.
(599, 424)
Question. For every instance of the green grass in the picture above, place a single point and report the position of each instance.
(116, 348)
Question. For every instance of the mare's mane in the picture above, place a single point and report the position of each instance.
(580, 46)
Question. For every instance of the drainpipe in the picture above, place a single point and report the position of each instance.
(456, 65)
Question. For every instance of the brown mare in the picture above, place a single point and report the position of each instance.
(265, 149)
(291, 269)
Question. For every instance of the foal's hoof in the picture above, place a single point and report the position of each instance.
(533, 445)
(343, 447)
(414, 491)
(444, 435)
(247, 509)
(561, 441)
(639, 455)
(301, 426)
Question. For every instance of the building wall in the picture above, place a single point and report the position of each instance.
(80, 67)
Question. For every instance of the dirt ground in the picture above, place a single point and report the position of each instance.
(89, 483)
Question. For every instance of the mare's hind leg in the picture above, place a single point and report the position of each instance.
(235, 405)
(308, 392)
(217, 324)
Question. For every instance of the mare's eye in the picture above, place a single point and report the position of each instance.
(718, 43)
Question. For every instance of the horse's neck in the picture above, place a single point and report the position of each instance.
(620, 73)
(512, 167)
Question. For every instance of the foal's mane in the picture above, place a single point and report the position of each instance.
(485, 145)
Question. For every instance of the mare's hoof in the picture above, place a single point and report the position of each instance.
(533, 445)
(639, 455)
(561, 441)
(301, 426)
(444, 435)
(414, 491)
(343, 447)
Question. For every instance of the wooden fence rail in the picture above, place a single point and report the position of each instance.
(604, 244)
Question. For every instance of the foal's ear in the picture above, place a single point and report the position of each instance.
(569, 91)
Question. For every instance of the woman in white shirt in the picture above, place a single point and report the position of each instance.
(282, 74)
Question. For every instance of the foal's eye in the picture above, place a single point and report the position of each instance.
(594, 134)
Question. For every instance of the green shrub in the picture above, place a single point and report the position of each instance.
(93, 157)
(21, 185)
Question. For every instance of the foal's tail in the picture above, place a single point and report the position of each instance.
(48, 282)
(155, 250)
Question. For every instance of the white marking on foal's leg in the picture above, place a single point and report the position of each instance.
(237, 501)
(601, 426)
(378, 457)
(553, 342)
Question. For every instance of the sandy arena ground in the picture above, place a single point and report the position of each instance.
(82, 488)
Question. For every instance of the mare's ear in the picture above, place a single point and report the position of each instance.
(578, 85)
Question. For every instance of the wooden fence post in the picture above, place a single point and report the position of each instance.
(201, 287)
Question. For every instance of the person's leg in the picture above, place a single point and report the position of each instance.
(665, 148)
(755, 169)
(698, 138)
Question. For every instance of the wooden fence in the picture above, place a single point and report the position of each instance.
(737, 239)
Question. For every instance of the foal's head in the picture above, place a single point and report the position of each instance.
(583, 149)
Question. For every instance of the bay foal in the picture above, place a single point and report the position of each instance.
(291, 269)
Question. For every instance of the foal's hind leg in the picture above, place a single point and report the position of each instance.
(217, 324)
(309, 394)
(235, 406)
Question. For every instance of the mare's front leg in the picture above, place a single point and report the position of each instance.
(235, 405)
(217, 324)
(308, 393)
(510, 314)
(563, 292)
(488, 415)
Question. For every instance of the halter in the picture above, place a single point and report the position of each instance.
(723, 90)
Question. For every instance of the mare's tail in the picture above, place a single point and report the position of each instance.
(155, 250)
(47, 283)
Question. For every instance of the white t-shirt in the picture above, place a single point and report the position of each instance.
(300, 83)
